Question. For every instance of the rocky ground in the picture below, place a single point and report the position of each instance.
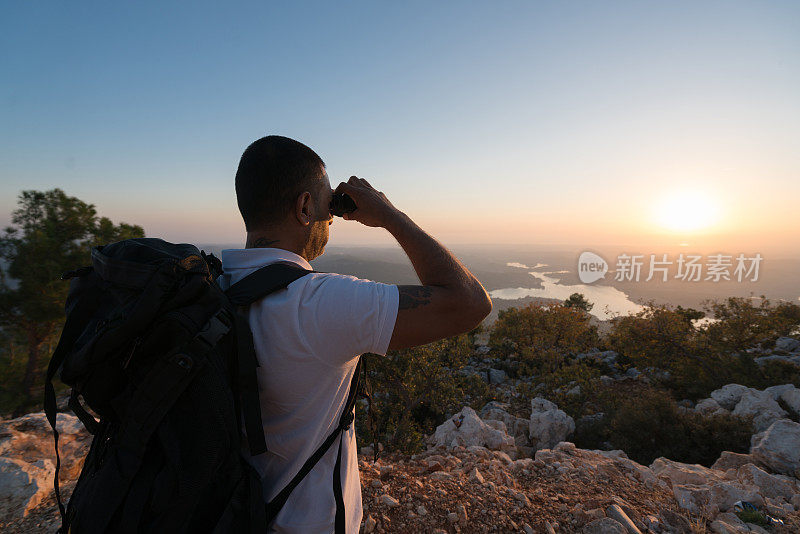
(460, 486)
(497, 471)
(476, 490)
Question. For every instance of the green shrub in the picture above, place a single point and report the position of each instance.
(755, 517)
(703, 359)
(647, 423)
(537, 328)
(415, 390)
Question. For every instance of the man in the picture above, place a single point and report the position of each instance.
(308, 337)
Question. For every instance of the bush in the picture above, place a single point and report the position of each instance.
(537, 328)
(415, 390)
(647, 423)
(700, 360)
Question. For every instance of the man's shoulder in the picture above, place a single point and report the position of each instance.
(336, 288)
(338, 279)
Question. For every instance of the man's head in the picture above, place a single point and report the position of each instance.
(284, 194)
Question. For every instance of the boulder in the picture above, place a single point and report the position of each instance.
(675, 521)
(718, 526)
(608, 357)
(517, 427)
(469, 370)
(548, 424)
(788, 344)
(497, 376)
(616, 512)
(709, 407)
(680, 473)
(770, 486)
(761, 407)
(710, 499)
(23, 485)
(633, 372)
(778, 447)
(606, 525)
(776, 391)
(729, 396)
(707, 491)
(763, 360)
(731, 460)
(29, 438)
(656, 373)
(466, 429)
(497, 425)
(731, 519)
(792, 399)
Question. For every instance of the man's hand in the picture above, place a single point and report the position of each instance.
(372, 206)
(449, 301)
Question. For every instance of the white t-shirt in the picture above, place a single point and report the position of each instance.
(307, 338)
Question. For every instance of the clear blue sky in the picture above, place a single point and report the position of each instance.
(539, 122)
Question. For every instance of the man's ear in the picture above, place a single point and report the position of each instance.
(303, 209)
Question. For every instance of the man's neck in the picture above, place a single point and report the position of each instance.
(265, 241)
(262, 242)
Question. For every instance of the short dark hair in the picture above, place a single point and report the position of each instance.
(272, 172)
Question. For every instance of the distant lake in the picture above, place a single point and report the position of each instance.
(608, 301)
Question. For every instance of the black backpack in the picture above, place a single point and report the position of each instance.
(165, 360)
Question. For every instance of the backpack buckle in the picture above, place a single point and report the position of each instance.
(348, 419)
(214, 329)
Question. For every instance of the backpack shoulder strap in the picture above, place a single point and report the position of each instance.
(248, 290)
(264, 281)
(345, 420)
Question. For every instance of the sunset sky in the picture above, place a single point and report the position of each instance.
(575, 123)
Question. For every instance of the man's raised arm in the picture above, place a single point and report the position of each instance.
(450, 300)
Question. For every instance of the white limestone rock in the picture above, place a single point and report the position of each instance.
(770, 486)
(778, 447)
(709, 407)
(517, 427)
(792, 399)
(761, 407)
(23, 485)
(681, 473)
(548, 424)
(788, 344)
(729, 396)
(776, 391)
(466, 429)
(497, 376)
(731, 460)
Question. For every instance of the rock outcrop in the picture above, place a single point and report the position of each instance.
(764, 407)
(23, 485)
(729, 396)
(27, 461)
(571, 490)
(787, 350)
(548, 424)
(477, 477)
(779, 447)
(466, 429)
(761, 407)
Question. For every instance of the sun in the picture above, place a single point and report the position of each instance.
(686, 211)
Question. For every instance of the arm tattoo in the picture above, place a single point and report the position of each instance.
(261, 242)
(414, 296)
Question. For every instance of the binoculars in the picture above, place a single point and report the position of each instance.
(341, 204)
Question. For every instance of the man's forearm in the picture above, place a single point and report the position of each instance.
(434, 264)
